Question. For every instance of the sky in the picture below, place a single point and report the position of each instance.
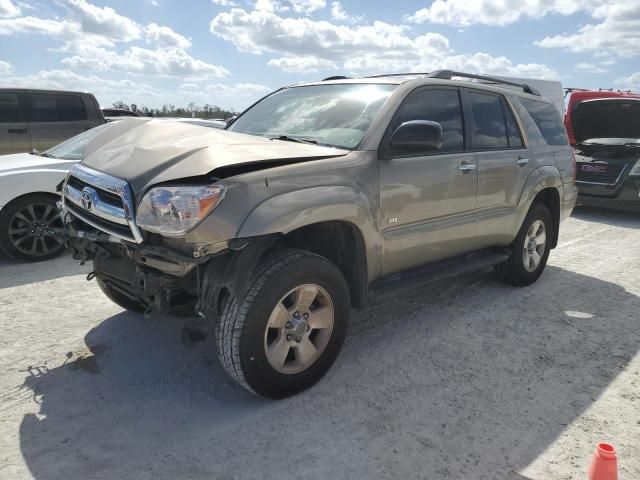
(229, 53)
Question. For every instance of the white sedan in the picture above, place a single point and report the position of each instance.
(30, 224)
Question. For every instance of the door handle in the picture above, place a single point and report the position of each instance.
(17, 130)
(466, 167)
(522, 160)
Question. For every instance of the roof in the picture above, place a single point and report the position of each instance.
(41, 90)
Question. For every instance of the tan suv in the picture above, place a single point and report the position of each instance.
(40, 119)
(269, 231)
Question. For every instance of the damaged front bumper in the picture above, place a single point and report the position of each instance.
(165, 278)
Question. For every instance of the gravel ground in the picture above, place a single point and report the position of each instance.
(467, 379)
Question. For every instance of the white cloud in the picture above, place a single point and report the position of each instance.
(224, 3)
(631, 81)
(5, 68)
(91, 34)
(103, 21)
(338, 13)
(586, 67)
(377, 48)
(161, 36)
(305, 7)
(165, 61)
(463, 13)
(8, 9)
(302, 64)
(618, 32)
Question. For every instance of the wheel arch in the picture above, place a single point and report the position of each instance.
(544, 185)
(340, 242)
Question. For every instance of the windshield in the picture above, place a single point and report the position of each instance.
(336, 115)
(73, 149)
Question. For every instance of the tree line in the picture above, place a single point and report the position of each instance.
(169, 110)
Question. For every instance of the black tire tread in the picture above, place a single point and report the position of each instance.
(230, 324)
(119, 299)
(508, 271)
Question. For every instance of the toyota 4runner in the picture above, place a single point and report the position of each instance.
(269, 231)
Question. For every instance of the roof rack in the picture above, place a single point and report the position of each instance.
(336, 77)
(397, 74)
(449, 74)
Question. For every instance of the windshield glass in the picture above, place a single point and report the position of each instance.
(336, 115)
(73, 149)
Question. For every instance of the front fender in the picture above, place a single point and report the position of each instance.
(17, 184)
(292, 210)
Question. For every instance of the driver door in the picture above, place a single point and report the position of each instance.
(428, 199)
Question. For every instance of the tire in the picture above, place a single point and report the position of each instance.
(515, 271)
(120, 299)
(31, 228)
(259, 356)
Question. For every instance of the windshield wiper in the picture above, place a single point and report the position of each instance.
(41, 154)
(287, 138)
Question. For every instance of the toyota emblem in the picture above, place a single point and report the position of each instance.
(87, 198)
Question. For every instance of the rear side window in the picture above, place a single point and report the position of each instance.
(438, 105)
(547, 120)
(47, 107)
(493, 124)
(9, 108)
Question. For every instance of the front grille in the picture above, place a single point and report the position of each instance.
(122, 231)
(101, 201)
(602, 173)
(105, 195)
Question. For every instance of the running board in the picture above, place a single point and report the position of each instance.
(444, 269)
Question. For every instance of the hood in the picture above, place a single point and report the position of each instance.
(614, 118)
(147, 152)
(20, 162)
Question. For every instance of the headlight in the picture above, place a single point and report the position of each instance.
(635, 170)
(176, 210)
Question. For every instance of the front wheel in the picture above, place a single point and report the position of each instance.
(530, 250)
(290, 327)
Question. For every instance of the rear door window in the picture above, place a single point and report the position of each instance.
(547, 120)
(46, 107)
(438, 105)
(492, 129)
(10, 108)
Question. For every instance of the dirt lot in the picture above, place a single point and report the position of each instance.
(470, 379)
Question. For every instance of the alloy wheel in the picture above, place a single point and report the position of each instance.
(299, 329)
(36, 230)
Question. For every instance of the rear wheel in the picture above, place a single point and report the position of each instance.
(31, 228)
(290, 327)
(530, 250)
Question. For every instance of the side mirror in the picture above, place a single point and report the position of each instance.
(417, 136)
(230, 120)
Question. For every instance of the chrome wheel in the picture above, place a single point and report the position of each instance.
(36, 230)
(534, 245)
(299, 329)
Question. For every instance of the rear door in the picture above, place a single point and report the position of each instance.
(428, 200)
(55, 117)
(14, 133)
(504, 164)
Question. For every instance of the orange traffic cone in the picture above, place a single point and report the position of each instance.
(604, 465)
